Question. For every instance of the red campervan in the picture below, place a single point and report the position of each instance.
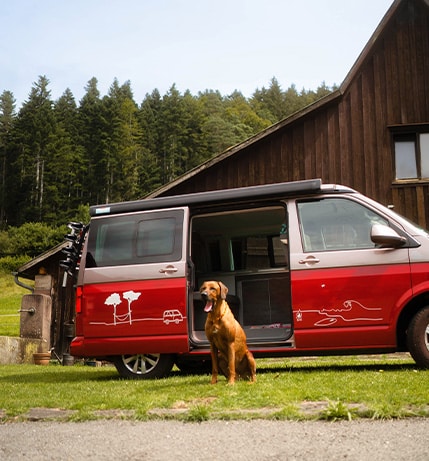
(311, 269)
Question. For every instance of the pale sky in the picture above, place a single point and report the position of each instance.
(223, 45)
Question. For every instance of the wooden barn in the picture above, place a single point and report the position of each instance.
(371, 134)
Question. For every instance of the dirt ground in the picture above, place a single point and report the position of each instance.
(213, 440)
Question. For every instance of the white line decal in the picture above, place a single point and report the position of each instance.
(351, 311)
(168, 316)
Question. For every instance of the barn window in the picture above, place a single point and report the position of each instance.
(411, 155)
(424, 150)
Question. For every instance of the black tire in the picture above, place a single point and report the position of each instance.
(143, 366)
(418, 337)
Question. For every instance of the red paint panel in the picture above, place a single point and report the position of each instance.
(118, 313)
(420, 278)
(348, 307)
(340, 339)
(83, 347)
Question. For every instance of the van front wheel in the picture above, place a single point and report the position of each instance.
(418, 337)
(143, 366)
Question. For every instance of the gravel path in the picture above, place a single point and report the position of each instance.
(230, 440)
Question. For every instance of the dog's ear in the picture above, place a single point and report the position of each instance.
(223, 290)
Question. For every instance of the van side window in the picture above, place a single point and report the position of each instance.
(155, 237)
(336, 224)
(140, 238)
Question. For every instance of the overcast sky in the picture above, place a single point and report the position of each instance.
(197, 44)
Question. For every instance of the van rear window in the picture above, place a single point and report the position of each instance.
(140, 238)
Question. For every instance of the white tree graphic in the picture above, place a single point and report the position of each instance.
(113, 300)
(130, 296)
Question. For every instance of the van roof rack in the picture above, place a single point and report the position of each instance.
(249, 193)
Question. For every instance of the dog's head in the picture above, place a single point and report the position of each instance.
(212, 292)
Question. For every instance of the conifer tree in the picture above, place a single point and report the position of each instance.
(93, 137)
(125, 153)
(67, 170)
(35, 125)
(56, 158)
(7, 116)
(149, 116)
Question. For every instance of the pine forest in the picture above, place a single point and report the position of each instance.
(58, 157)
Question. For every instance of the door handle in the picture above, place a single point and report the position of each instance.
(309, 260)
(168, 269)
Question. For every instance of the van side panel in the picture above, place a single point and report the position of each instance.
(120, 315)
(348, 307)
(84, 347)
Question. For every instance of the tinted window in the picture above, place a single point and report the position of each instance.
(156, 237)
(135, 239)
(336, 224)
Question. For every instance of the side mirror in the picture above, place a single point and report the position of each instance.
(386, 237)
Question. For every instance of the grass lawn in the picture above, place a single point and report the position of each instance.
(10, 303)
(328, 388)
(296, 388)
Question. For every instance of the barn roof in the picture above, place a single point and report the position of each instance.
(335, 95)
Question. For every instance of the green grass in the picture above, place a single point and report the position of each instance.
(10, 303)
(332, 388)
(328, 388)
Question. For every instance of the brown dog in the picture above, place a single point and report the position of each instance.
(228, 346)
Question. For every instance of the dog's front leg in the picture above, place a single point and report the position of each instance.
(215, 363)
(231, 363)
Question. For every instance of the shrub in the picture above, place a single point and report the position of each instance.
(34, 238)
(9, 264)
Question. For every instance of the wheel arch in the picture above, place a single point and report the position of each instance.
(404, 319)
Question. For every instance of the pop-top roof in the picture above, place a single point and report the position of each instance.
(266, 191)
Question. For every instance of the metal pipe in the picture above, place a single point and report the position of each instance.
(31, 311)
(22, 284)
